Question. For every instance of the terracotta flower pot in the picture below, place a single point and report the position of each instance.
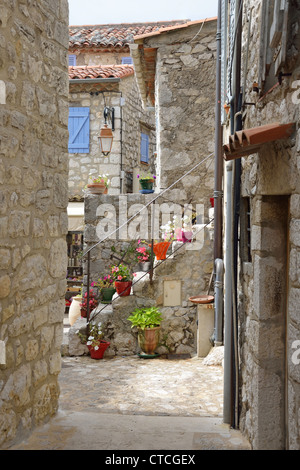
(97, 188)
(98, 353)
(160, 250)
(148, 339)
(123, 288)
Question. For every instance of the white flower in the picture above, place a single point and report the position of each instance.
(96, 348)
(89, 343)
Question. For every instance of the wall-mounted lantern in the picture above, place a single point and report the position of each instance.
(106, 135)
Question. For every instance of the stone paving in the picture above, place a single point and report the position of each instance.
(132, 385)
(129, 403)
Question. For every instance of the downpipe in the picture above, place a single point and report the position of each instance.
(218, 291)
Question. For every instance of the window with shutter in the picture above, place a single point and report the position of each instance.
(127, 60)
(144, 147)
(273, 44)
(72, 60)
(79, 130)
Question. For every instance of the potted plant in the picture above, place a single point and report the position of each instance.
(122, 277)
(96, 345)
(143, 256)
(183, 229)
(98, 184)
(146, 182)
(160, 248)
(92, 303)
(147, 320)
(106, 286)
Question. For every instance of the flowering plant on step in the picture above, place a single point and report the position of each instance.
(92, 301)
(99, 179)
(146, 176)
(103, 282)
(143, 252)
(94, 337)
(121, 273)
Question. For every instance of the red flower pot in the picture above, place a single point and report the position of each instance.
(123, 288)
(98, 353)
(83, 312)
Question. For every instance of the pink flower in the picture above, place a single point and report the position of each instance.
(119, 278)
(134, 274)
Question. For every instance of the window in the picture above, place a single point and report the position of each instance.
(273, 45)
(127, 60)
(79, 130)
(72, 59)
(245, 232)
(144, 147)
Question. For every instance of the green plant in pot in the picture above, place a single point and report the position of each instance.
(106, 287)
(147, 320)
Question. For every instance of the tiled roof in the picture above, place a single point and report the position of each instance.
(112, 36)
(171, 28)
(100, 71)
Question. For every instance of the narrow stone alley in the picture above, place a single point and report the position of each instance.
(128, 403)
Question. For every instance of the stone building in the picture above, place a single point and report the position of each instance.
(264, 148)
(33, 221)
(101, 74)
(175, 72)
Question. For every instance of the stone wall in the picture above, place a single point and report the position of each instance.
(185, 102)
(33, 221)
(187, 270)
(269, 284)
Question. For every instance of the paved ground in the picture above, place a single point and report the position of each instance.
(128, 403)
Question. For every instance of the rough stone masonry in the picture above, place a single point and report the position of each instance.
(33, 217)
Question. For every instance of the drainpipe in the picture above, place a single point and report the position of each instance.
(218, 291)
(218, 199)
(228, 349)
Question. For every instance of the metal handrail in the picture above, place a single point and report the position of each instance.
(153, 267)
(88, 252)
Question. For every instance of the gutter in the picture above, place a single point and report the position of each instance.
(94, 80)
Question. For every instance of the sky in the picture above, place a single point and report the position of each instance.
(84, 12)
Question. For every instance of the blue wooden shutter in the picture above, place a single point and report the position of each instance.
(144, 148)
(127, 60)
(79, 130)
(72, 59)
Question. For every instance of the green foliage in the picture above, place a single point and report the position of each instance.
(145, 318)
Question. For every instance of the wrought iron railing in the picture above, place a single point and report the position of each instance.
(87, 254)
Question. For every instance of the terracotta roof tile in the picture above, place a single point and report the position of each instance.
(249, 141)
(114, 35)
(171, 28)
(100, 71)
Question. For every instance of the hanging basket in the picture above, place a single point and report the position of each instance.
(98, 353)
(160, 250)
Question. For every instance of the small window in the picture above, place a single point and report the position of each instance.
(144, 147)
(72, 60)
(245, 232)
(127, 60)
